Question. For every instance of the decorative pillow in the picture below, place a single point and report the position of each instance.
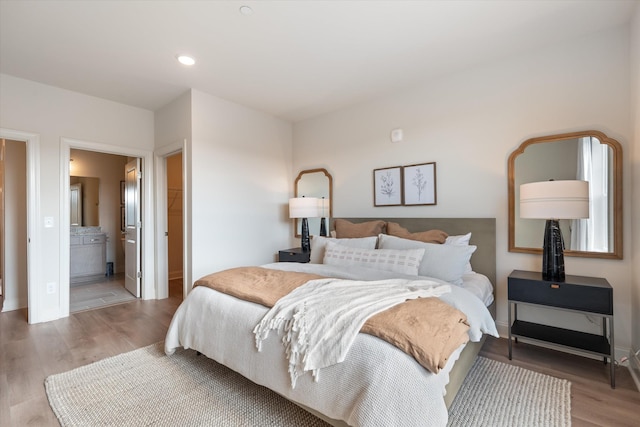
(444, 262)
(461, 240)
(318, 244)
(397, 261)
(347, 229)
(429, 236)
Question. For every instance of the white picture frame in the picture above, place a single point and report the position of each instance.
(419, 184)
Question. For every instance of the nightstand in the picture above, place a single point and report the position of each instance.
(578, 294)
(293, 255)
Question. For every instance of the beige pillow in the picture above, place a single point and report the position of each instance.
(429, 236)
(348, 230)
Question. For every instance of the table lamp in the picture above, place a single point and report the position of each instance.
(554, 200)
(323, 213)
(304, 207)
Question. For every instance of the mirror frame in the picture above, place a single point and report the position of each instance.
(617, 193)
(295, 194)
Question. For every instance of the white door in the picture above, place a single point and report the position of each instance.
(132, 227)
(2, 223)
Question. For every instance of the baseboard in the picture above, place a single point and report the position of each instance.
(173, 275)
(634, 366)
(12, 304)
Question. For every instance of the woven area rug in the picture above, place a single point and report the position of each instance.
(144, 387)
(497, 394)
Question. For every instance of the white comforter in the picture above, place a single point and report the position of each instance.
(376, 385)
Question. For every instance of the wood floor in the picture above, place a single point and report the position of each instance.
(30, 353)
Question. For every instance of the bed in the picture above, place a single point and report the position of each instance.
(377, 384)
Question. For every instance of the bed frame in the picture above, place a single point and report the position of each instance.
(483, 235)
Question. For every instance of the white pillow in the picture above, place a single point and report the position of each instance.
(397, 261)
(461, 240)
(444, 262)
(318, 244)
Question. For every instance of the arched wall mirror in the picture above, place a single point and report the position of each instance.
(589, 156)
(314, 183)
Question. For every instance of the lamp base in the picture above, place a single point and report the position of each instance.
(323, 227)
(304, 240)
(552, 252)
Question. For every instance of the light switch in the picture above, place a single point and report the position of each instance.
(48, 222)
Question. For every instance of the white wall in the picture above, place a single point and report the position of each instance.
(469, 123)
(241, 179)
(54, 113)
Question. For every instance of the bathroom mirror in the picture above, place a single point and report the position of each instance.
(589, 156)
(85, 201)
(314, 183)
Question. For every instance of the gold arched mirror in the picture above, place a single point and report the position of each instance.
(589, 156)
(314, 183)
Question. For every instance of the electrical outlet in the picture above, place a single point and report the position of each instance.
(51, 287)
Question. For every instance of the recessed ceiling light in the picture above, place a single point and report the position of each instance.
(246, 10)
(186, 60)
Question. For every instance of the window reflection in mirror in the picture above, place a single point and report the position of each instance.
(588, 156)
(86, 201)
(314, 183)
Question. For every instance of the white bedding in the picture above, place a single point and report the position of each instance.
(377, 384)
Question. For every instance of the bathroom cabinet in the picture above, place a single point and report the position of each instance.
(88, 258)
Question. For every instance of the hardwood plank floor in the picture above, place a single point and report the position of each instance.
(30, 353)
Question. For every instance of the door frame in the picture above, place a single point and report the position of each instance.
(148, 283)
(34, 280)
(162, 251)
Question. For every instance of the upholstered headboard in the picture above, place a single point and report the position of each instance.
(483, 235)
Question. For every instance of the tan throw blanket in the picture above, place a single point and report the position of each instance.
(425, 328)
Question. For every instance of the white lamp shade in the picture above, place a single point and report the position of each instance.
(554, 200)
(303, 207)
(323, 208)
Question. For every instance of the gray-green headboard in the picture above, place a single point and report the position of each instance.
(483, 235)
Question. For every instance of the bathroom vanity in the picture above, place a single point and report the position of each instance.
(88, 254)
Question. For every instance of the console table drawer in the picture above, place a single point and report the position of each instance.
(575, 293)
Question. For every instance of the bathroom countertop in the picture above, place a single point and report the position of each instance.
(86, 230)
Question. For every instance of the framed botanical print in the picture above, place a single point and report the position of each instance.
(387, 186)
(419, 184)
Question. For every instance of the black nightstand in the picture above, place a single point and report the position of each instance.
(293, 255)
(579, 294)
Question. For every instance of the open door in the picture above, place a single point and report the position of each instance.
(133, 224)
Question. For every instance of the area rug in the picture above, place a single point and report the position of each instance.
(497, 394)
(144, 388)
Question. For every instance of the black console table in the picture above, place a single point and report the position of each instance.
(580, 294)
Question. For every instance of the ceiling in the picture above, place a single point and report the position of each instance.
(292, 59)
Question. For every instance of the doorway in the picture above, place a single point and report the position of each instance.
(97, 230)
(173, 238)
(146, 274)
(13, 225)
(175, 224)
